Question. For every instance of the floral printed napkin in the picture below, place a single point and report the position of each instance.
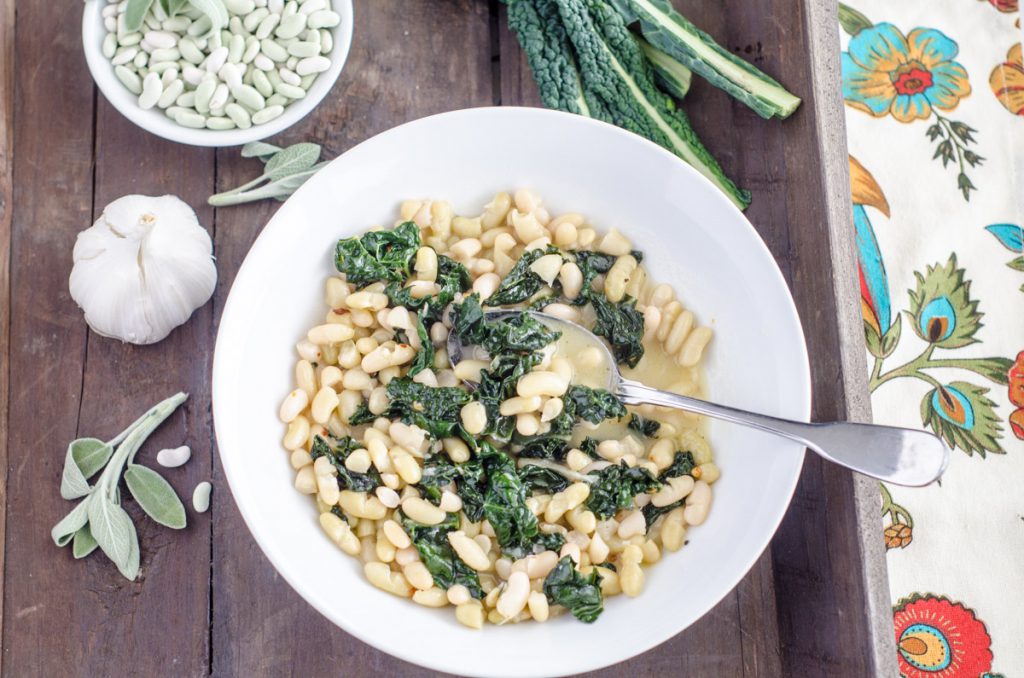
(935, 119)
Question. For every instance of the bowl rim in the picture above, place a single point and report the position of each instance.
(155, 122)
(234, 475)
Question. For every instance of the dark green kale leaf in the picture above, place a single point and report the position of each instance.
(362, 415)
(536, 478)
(682, 464)
(439, 557)
(622, 325)
(498, 384)
(337, 454)
(616, 488)
(652, 512)
(438, 472)
(435, 410)
(592, 264)
(593, 404)
(452, 278)
(644, 426)
(589, 446)
(336, 510)
(425, 355)
(378, 255)
(581, 594)
(546, 447)
(521, 283)
(516, 334)
(505, 507)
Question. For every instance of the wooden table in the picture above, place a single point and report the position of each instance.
(208, 601)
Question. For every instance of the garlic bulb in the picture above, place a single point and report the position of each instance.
(142, 268)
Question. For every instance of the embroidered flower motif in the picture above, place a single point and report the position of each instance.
(885, 72)
(1015, 380)
(938, 638)
(1007, 81)
(1005, 6)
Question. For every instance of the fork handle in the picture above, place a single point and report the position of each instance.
(896, 455)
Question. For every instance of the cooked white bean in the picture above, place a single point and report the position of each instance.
(293, 404)
(540, 383)
(381, 576)
(422, 511)
(512, 601)
(520, 405)
(469, 551)
(474, 417)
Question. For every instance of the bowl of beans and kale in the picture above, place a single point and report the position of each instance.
(485, 512)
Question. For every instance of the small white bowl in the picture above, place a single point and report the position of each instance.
(693, 239)
(159, 124)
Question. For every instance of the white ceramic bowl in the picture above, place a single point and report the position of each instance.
(693, 238)
(159, 124)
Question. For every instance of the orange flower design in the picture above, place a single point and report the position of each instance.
(1007, 81)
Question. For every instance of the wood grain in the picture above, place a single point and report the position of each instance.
(6, 209)
(408, 59)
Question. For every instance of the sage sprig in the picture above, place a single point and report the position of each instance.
(285, 169)
(98, 520)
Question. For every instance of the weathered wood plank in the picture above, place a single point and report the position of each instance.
(408, 59)
(52, 199)
(6, 205)
(163, 618)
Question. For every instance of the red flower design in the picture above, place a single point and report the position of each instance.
(1004, 5)
(1015, 378)
(914, 80)
(937, 638)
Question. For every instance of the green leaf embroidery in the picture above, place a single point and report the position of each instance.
(852, 21)
(296, 158)
(883, 347)
(65, 530)
(964, 417)
(135, 14)
(941, 307)
(155, 495)
(115, 534)
(993, 369)
(84, 543)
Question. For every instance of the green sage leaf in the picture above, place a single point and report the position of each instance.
(115, 534)
(296, 158)
(156, 496)
(214, 9)
(259, 149)
(65, 530)
(135, 14)
(84, 458)
(84, 543)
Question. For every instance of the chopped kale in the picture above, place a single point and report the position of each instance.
(593, 404)
(378, 255)
(536, 478)
(452, 278)
(592, 264)
(682, 464)
(439, 557)
(652, 512)
(644, 426)
(337, 454)
(546, 447)
(362, 415)
(425, 355)
(336, 510)
(622, 325)
(616, 488)
(580, 593)
(433, 409)
(515, 334)
(521, 283)
(505, 507)
(438, 472)
(589, 446)
(498, 384)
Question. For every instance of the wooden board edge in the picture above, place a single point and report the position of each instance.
(823, 30)
(6, 211)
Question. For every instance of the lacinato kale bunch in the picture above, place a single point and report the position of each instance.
(585, 60)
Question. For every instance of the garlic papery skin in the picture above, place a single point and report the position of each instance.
(142, 268)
